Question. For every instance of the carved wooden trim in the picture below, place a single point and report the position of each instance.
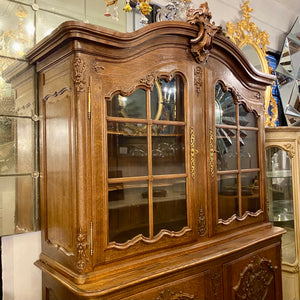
(216, 283)
(255, 279)
(97, 67)
(141, 238)
(55, 94)
(242, 218)
(198, 79)
(201, 45)
(149, 80)
(79, 68)
(82, 248)
(169, 295)
(289, 148)
(201, 222)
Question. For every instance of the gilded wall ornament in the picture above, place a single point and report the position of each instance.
(244, 34)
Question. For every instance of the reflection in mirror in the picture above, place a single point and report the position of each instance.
(18, 156)
(288, 76)
(252, 55)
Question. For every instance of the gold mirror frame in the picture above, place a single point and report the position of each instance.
(247, 33)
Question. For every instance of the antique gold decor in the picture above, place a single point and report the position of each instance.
(252, 41)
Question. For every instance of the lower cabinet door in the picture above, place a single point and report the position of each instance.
(254, 276)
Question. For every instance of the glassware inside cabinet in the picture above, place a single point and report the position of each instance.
(280, 198)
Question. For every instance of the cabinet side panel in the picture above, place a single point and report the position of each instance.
(59, 161)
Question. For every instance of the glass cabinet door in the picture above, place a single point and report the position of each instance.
(146, 162)
(280, 198)
(238, 171)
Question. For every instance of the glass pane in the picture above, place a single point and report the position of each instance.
(170, 100)
(128, 211)
(227, 196)
(47, 22)
(16, 145)
(226, 149)
(248, 149)
(71, 8)
(168, 151)
(169, 205)
(280, 198)
(133, 106)
(16, 30)
(127, 155)
(17, 210)
(250, 192)
(224, 107)
(247, 118)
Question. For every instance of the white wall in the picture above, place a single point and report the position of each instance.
(21, 279)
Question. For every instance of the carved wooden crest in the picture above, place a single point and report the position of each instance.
(201, 45)
(255, 280)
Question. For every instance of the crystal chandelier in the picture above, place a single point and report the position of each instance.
(174, 10)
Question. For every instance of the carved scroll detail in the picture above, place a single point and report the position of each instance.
(79, 68)
(97, 67)
(168, 295)
(289, 148)
(201, 45)
(149, 80)
(201, 222)
(82, 248)
(255, 280)
(198, 79)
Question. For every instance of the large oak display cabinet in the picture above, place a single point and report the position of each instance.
(282, 148)
(152, 165)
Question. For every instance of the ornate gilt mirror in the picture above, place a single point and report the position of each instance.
(252, 42)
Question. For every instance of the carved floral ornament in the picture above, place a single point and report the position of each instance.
(169, 295)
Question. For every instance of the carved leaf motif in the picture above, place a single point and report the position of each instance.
(201, 45)
(202, 223)
(198, 79)
(82, 257)
(289, 148)
(169, 295)
(79, 68)
(97, 67)
(149, 80)
(255, 280)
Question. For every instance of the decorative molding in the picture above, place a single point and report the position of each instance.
(255, 280)
(55, 94)
(97, 67)
(289, 148)
(82, 248)
(242, 218)
(169, 295)
(211, 153)
(149, 80)
(79, 68)
(201, 45)
(198, 79)
(146, 240)
(201, 222)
